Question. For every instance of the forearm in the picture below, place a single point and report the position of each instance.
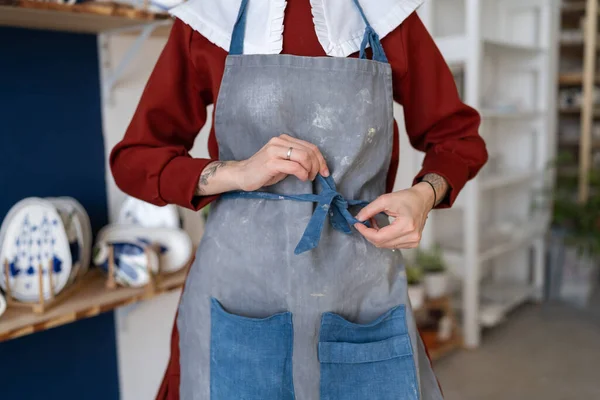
(434, 189)
(218, 177)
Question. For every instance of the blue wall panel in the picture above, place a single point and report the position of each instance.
(51, 144)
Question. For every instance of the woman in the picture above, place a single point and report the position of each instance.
(297, 290)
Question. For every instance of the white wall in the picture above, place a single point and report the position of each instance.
(143, 330)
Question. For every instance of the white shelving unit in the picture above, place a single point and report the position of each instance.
(493, 237)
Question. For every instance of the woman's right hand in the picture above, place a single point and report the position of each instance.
(268, 166)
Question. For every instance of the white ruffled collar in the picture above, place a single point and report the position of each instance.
(338, 24)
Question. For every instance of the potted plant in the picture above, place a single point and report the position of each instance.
(436, 278)
(575, 235)
(416, 291)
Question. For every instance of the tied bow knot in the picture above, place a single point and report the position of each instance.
(330, 203)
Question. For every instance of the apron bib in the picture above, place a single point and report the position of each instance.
(285, 299)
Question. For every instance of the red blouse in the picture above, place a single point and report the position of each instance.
(152, 161)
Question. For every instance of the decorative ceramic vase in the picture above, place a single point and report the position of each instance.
(436, 284)
(416, 294)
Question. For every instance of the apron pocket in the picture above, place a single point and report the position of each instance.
(250, 358)
(367, 361)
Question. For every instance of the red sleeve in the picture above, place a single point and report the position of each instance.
(437, 121)
(152, 161)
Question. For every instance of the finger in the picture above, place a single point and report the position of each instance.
(323, 170)
(407, 241)
(297, 152)
(289, 168)
(299, 156)
(374, 223)
(402, 245)
(305, 157)
(380, 204)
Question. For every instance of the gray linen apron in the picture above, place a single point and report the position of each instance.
(258, 321)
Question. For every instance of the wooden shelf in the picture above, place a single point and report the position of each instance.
(89, 17)
(92, 299)
(500, 299)
(574, 79)
(445, 348)
(575, 142)
(576, 111)
(501, 45)
(508, 178)
(573, 7)
(516, 114)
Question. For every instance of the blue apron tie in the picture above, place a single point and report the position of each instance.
(371, 38)
(330, 202)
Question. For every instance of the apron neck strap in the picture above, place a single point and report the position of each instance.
(236, 46)
(370, 38)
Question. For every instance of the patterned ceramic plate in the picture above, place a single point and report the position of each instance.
(33, 235)
(2, 305)
(174, 245)
(131, 261)
(81, 227)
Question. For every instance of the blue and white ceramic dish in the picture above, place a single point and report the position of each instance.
(132, 262)
(33, 234)
(2, 305)
(79, 232)
(173, 245)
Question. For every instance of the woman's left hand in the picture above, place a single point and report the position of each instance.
(409, 208)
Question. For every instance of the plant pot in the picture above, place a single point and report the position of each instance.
(436, 285)
(416, 294)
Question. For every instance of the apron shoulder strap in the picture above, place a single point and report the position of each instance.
(370, 38)
(236, 47)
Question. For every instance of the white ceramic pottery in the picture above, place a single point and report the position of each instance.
(34, 234)
(138, 212)
(174, 246)
(436, 285)
(2, 305)
(132, 263)
(416, 294)
(80, 226)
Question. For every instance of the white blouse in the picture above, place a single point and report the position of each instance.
(338, 24)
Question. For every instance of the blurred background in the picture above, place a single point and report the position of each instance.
(503, 286)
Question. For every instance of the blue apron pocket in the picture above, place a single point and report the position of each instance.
(367, 361)
(250, 358)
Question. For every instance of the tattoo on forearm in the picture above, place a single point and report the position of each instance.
(440, 186)
(207, 173)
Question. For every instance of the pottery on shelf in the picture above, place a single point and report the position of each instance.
(2, 305)
(174, 246)
(416, 294)
(138, 212)
(33, 238)
(78, 229)
(82, 226)
(436, 284)
(133, 262)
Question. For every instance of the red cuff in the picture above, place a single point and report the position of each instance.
(449, 166)
(178, 182)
